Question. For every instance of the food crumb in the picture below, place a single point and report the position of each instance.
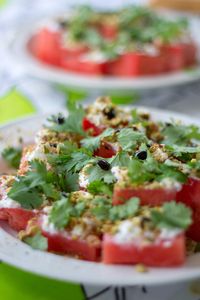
(141, 268)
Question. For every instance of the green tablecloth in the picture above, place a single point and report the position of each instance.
(14, 283)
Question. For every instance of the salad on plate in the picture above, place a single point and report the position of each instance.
(108, 184)
(132, 42)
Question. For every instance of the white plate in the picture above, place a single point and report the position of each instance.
(18, 254)
(32, 66)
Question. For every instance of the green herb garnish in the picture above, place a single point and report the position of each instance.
(37, 241)
(172, 215)
(12, 156)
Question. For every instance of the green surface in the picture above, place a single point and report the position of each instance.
(3, 2)
(17, 284)
(14, 105)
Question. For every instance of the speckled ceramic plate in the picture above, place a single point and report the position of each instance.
(21, 255)
(21, 55)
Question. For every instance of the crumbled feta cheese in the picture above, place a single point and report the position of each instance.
(95, 56)
(116, 171)
(127, 231)
(169, 233)
(119, 173)
(83, 179)
(37, 154)
(7, 202)
(47, 226)
(77, 230)
(151, 50)
(96, 119)
(47, 209)
(170, 183)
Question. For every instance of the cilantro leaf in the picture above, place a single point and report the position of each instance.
(72, 124)
(129, 209)
(37, 241)
(28, 190)
(98, 174)
(71, 183)
(92, 143)
(130, 139)
(104, 210)
(99, 187)
(149, 170)
(63, 210)
(121, 159)
(180, 134)
(179, 150)
(140, 172)
(12, 156)
(28, 198)
(173, 215)
(77, 161)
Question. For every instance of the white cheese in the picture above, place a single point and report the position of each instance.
(151, 50)
(96, 119)
(37, 154)
(77, 231)
(83, 179)
(7, 202)
(119, 174)
(170, 183)
(95, 56)
(47, 226)
(116, 171)
(168, 234)
(47, 209)
(127, 231)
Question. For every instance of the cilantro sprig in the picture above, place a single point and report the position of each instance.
(71, 124)
(38, 241)
(104, 210)
(180, 134)
(92, 143)
(130, 139)
(63, 210)
(31, 190)
(172, 215)
(151, 170)
(12, 156)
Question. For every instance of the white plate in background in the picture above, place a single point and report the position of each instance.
(32, 66)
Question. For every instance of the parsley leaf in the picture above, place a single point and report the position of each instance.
(37, 241)
(12, 156)
(130, 139)
(92, 143)
(173, 215)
